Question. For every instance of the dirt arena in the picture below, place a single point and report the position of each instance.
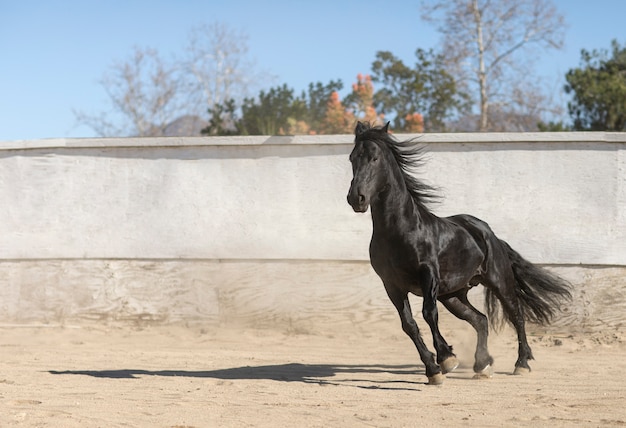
(97, 376)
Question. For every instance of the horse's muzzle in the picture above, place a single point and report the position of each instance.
(357, 201)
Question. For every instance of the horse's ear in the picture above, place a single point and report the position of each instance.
(385, 128)
(360, 128)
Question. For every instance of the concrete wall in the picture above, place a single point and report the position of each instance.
(213, 229)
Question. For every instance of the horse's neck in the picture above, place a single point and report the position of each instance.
(394, 211)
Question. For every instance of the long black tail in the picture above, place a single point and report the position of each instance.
(540, 293)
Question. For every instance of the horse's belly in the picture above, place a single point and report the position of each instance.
(457, 271)
(454, 266)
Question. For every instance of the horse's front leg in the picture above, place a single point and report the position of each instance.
(401, 302)
(429, 283)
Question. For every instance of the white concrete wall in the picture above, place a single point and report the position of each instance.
(258, 228)
(557, 198)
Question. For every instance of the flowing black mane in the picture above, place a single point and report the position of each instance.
(408, 155)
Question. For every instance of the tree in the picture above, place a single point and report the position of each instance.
(413, 123)
(337, 120)
(483, 43)
(426, 89)
(223, 120)
(598, 87)
(279, 112)
(273, 112)
(215, 66)
(553, 126)
(318, 98)
(361, 100)
(147, 93)
(143, 92)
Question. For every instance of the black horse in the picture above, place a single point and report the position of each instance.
(414, 251)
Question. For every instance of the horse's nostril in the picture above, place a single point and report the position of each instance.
(361, 199)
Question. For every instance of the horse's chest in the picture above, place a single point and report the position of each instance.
(394, 261)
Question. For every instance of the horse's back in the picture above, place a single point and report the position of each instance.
(479, 229)
(495, 252)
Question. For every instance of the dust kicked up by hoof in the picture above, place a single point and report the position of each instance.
(436, 379)
(521, 371)
(486, 373)
(449, 364)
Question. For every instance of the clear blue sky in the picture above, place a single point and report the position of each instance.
(54, 52)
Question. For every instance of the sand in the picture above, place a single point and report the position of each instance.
(99, 376)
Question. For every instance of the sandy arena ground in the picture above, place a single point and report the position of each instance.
(190, 377)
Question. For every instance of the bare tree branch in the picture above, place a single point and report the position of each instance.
(143, 92)
(484, 40)
(216, 67)
(147, 94)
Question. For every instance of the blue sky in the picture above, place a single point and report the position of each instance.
(55, 52)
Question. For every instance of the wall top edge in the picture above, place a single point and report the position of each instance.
(268, 260)
(496, 137)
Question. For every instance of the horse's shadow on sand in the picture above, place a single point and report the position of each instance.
(361, 376)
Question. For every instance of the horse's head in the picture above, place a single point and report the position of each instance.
(369, 171)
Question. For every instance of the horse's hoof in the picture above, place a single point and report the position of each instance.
(486, 373)
(521, 371)
(436, 379)
(449, 364)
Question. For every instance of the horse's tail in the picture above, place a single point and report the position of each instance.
(539, 292)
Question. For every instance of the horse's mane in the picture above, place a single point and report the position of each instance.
(408, 155)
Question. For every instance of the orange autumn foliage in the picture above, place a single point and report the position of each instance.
(414, 123)
(363, 90)
(337, 119)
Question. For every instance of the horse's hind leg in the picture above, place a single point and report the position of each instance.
(459, 306)
(505, 291)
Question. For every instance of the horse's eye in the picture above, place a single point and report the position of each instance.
(375, 159)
